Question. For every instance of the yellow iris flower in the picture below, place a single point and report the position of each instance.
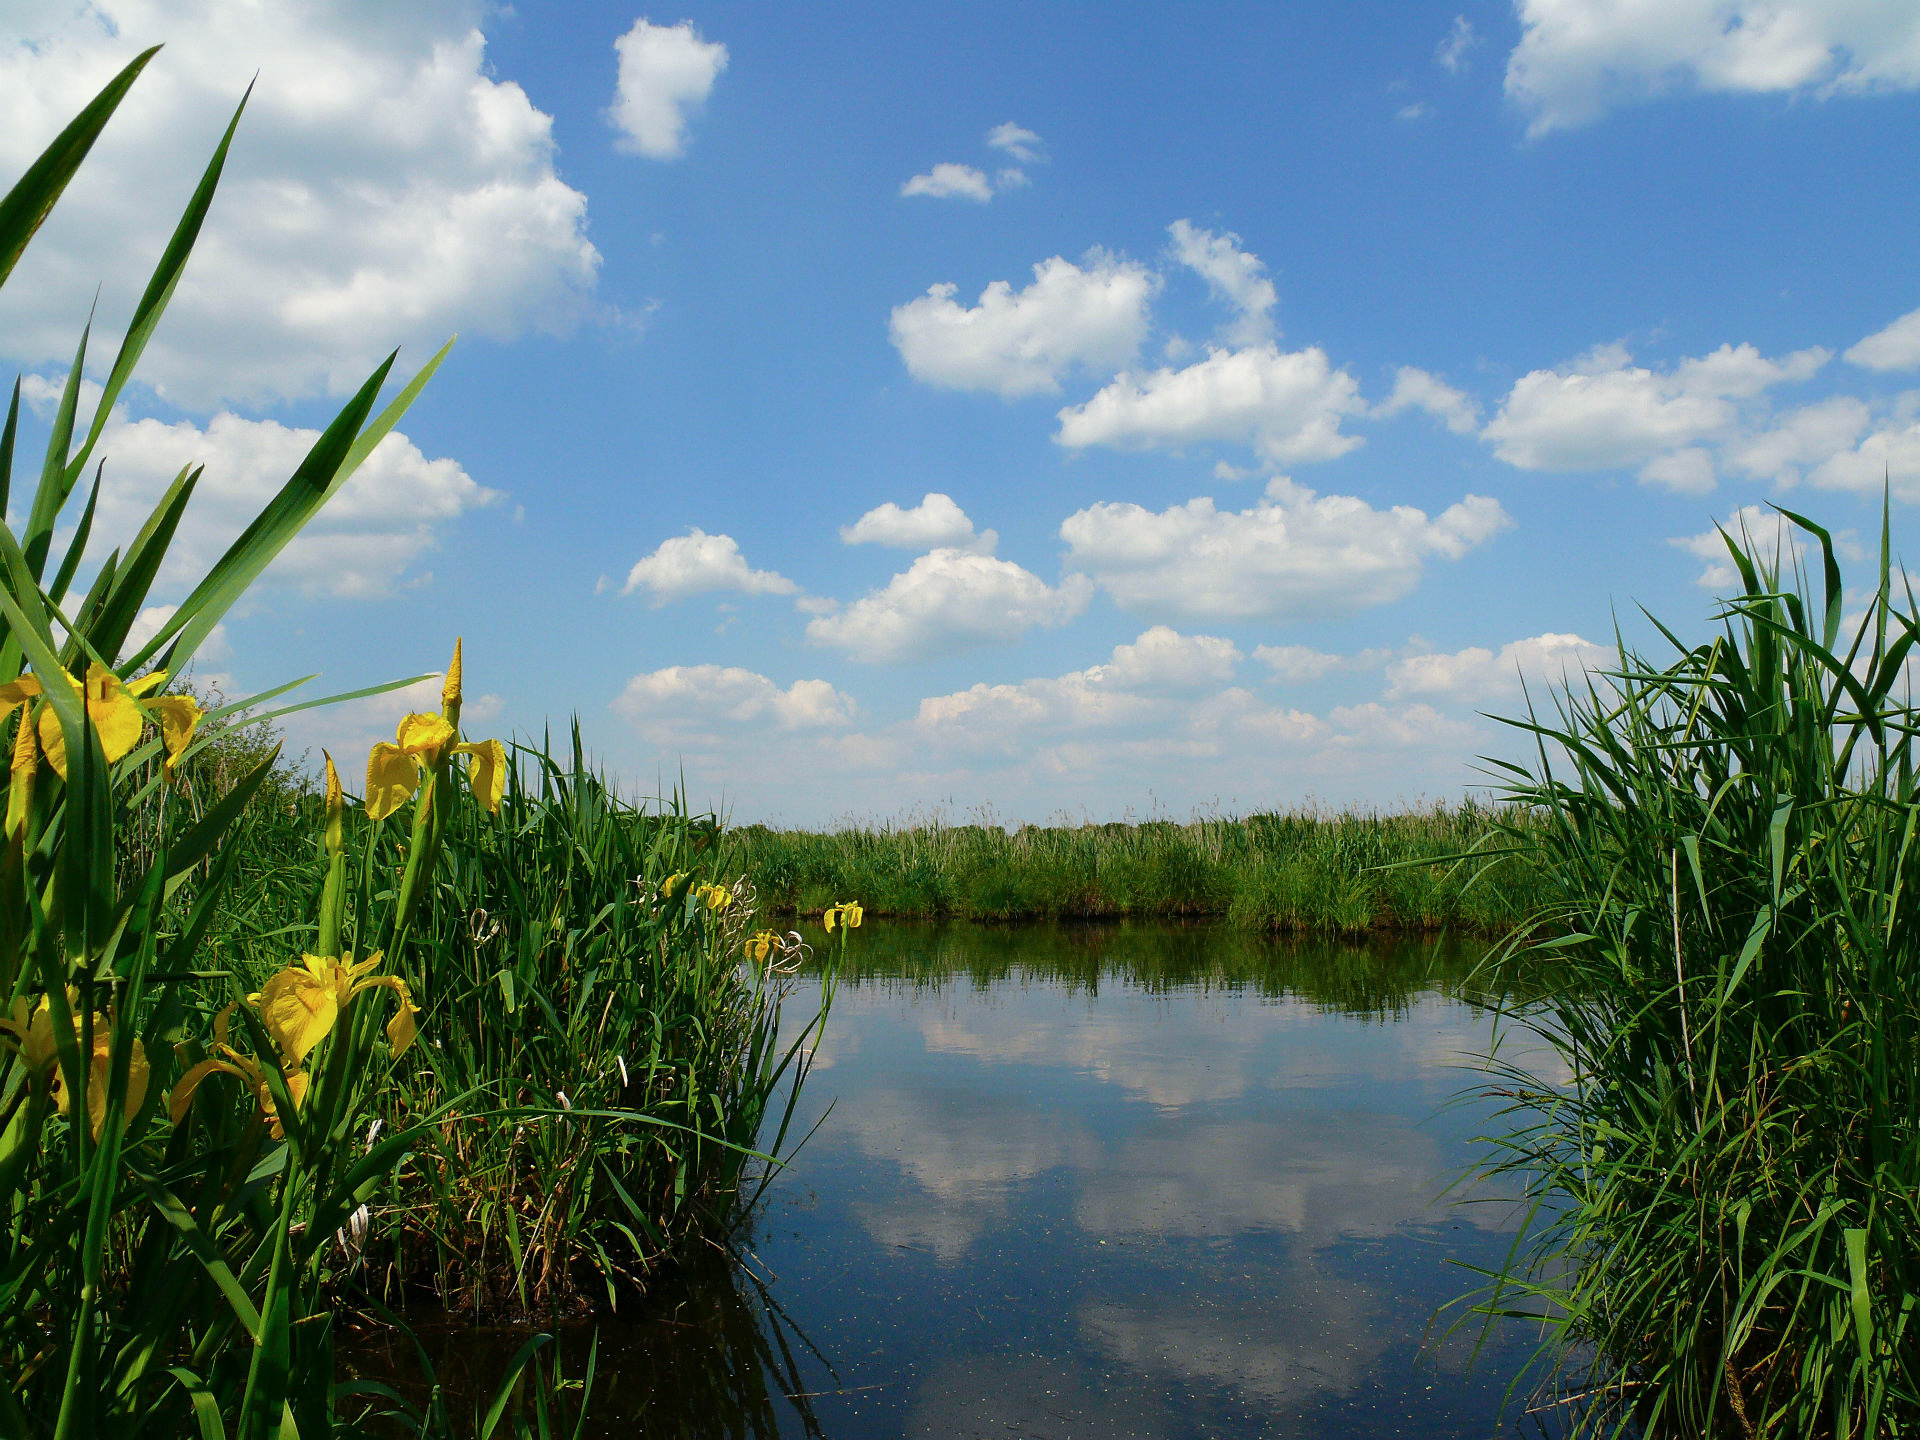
(247, 1070)
(762, 944)
(674, 886)
(29, 1034)
(847, 913)
(393, 771)
(714, 897)
(301, 1005)
(114, 707)
(100, 1072)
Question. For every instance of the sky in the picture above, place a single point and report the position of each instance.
(992, 411)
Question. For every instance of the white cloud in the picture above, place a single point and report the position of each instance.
(948, 181)
(1889, 456)
(1895, 348)
(1577, 59)
(1477, 675)
(1296, 555)
(351, 728)
(384, 188)
(1799, 439)
(1302, 664)
(935, 523)
(1451, 53)
(1012, 178)
(697, 564)
(1602, 412)
(946, 602)
(705, 705)
(1162, 659)
(1022, 342)
(152, 618)
(1233, 275)
(1416, 389)
(1418, 110)
(666, 74)
(1287, 405)
(360, 544)
(1016, 140)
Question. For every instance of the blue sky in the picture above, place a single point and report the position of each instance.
(875, 410)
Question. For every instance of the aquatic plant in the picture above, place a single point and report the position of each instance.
(1725, 1166)
(1298, 872)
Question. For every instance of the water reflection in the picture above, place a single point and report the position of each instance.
(1170, 1181)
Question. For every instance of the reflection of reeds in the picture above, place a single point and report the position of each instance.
(1299, 872)
(1377, 977)
(1729, 1186)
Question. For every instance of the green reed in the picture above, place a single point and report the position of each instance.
(1296, 872)
(629, 1082)
(1726, 1162)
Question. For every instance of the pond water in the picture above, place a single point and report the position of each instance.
(1105, 1182)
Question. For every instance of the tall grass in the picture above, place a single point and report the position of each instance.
(610, 1072)
(1298, 872)
(1727, 1164)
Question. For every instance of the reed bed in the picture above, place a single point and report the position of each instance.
(1725, 1159)
(1300, 872)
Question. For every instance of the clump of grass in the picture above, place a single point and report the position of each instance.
(1299, 872)
(1726, 1165)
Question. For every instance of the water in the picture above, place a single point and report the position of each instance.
(1134, 1181)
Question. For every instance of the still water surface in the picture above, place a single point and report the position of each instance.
(1105, 1182)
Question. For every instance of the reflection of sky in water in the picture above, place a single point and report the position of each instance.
(1072, 1199)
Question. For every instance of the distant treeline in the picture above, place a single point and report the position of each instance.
(1299, 872)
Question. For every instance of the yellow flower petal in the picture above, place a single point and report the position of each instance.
(487, 774)
(183, 1088)
(424, 735)
(53, 740)
(179, 716)
(405, 1024)
(100, 1073)
(392, 777)
(450, 690)
(299, 1010)
(674, 886)
(113, 711)
(147, 683)
(16, 693)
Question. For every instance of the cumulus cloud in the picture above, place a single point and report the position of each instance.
(1799, 439)
(1163, 659)
(1577, 59)
(948, 181)
(1888, 456)
(697, 564)
(1452, 51)
(1016, 140)
(1302, 664)
(1603, 412)
(1232, 275)
(1021, 342)
(935, 523)
(1295, 555)
(1895, 348)
(946, 602)
(704, 705)
(1416, 389)
(666, 74)
(1287, 404)
(385, 188)
(1477, 675)
(385, 517)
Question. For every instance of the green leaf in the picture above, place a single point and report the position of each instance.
(34, 194)
(78, 547)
